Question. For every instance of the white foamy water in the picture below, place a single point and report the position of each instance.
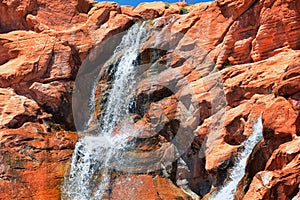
(227, 192)
(89, 177)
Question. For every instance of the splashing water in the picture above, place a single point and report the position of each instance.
(89, 177)
(238, 171)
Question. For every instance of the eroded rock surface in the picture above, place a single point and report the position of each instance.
(226, 62)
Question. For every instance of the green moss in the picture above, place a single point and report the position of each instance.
(165, 98)
(228, 66)
(53, 126)
(99, 102)
(183, 10)
(167, 5)
(223, 103)
(150, 22)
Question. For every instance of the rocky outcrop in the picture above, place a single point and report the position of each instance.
(13, 14)
(33, 161)
(210, 73)
(157, 188)
(281, 124)
(280, 179)
(262, 30)
(15, 109)
(41, 15)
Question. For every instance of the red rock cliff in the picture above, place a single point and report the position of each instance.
(235, 59)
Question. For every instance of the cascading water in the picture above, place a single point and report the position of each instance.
(89, 174)
(238, 171)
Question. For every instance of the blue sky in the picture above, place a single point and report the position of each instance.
(136, 2)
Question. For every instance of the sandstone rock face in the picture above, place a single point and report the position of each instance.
(286, 30)
(157, 188)
(280, 179)
(28, 59)
(15, 109)
(283, 122)
(261, 31)
(289, 80)
(35, 159)
(209, 73)
(150, 10)
(13, 14)
(38, 15)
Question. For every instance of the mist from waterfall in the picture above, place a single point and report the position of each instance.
(227, 192)
(89, 176)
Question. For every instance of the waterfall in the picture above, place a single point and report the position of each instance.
(89, 176)
(238, 171)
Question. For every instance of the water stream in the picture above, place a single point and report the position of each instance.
(96, 156)
(228, 191)
(89, 177)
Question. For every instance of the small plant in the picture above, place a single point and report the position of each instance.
(167, 5)
(223, 103)
(150, 23)
(228, 66)
(183, 11)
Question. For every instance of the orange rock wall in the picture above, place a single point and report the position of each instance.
(250, 48)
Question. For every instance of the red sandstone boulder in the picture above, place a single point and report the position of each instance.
(67, 15)
(283, 155)
(278, 22)
(38, 15)
(133, 187)
(247, 40)
(257, 162)
(295, 102)
(236, 46)
(150, 10)
(30, 54)
(101, 13)
(290, 80)
(279, 119)
(128, 10)
(281, 176)
(114, 25)
(13, 14)
(232, 8)
(16, 109)
(254, 78)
